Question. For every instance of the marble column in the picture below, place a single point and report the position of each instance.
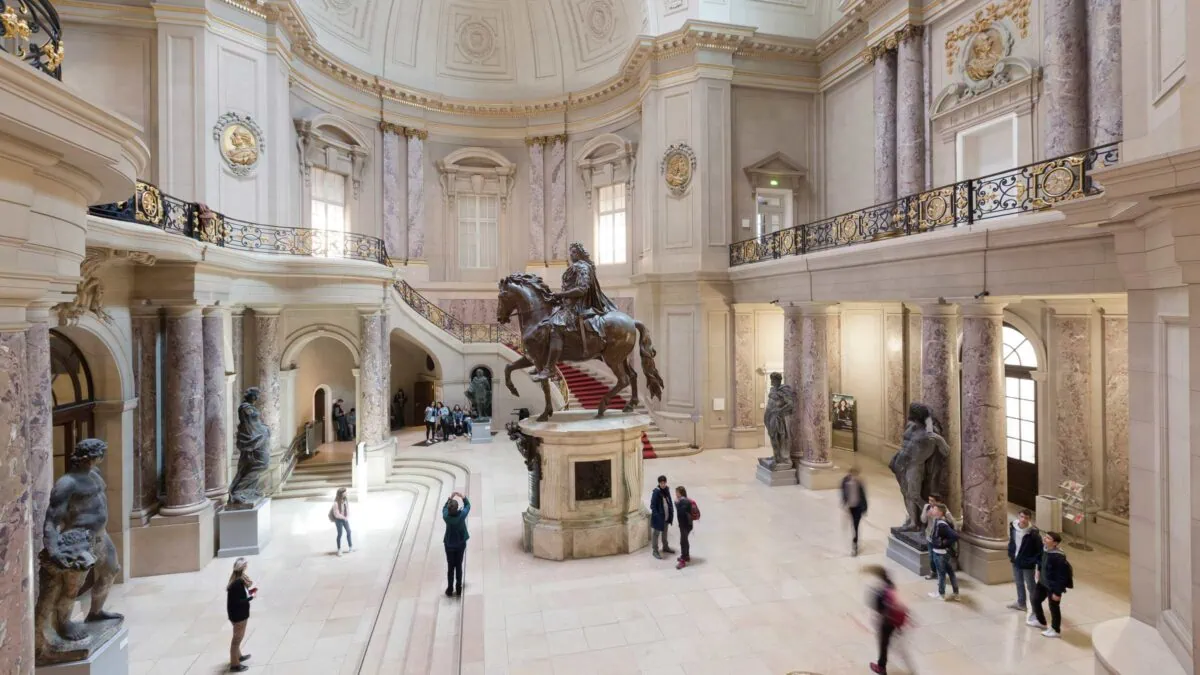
(910, 112)
(1071, 335)
(183, 412)
(885, 123)
(1104, 71)
(558, 201)
(216, 454)
(394, 177)
(537, 200)
(372, 414)
(1116, 415)
(793, 344)
(1065, 77)
(266, 352)
(745, 405)
(912, 356)
(833, 331)
(939, 385)
(815, 430)
(984, 457)
(416, 194)
(147, 326)
(238, 337)
(39, 419)
(17, 585)
(893, 357)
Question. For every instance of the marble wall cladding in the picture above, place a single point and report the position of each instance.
(394, 174)
(897, 408)
(885, 127)
(537, 202)
(215, 438)
(16, 554)
(416, 198)
(939, 389)
(814, 390)
(1116, 415)
(557, 245)
(984, 459)
(743, 371)
(183, 411)
(1104, 72)
(1073, 398)
(471, 310)
(38, 422)
(833, 332)
(238, 324)
(1064, 77)
(793, 343)
(373, 410)
(266, 352)
(146, 330)
(912, 348)
(910, 116)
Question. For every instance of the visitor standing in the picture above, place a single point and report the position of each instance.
(684, 507)
(455, 541)
(339, 513)
(1054, 578)
(927, 521)
(238, 593)
(352, 421)
(430, 424)
(941, 538)
(341, 428)
(854, 500)
(1024, 552)
(891, 615)
(662, 514)
(444, 420)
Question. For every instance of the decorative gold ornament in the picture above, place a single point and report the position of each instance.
(149, 204)
(678, 166)
(16, 28)
(240, 142)
(984, 50)
(1016, 11)
(54, 57)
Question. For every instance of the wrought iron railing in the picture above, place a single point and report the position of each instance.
(1033, 187)
(149, 206)
(30, 31)
(498, 333)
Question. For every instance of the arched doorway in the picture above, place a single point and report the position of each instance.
(74, 398)
(322, 429)
(1020, 416)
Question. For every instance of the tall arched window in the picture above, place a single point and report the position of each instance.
(74, 398)
(1020, 412)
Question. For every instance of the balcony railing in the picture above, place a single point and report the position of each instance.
(499, 333)
(29, 30)
(1032, 187)
(149, 206)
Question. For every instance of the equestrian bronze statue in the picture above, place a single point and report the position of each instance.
(578, 323)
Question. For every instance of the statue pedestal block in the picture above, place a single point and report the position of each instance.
(987, 564)
(244, 531)
(590, 491)
(111, 658)
(744, 438)
(910, 550)
(774, 477)
(820, 478)
(172, 544)
(481, 431)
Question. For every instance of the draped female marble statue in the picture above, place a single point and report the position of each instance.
(479, 393)
(254, 446)
(922, 466)
(78, 556)
(781, 404)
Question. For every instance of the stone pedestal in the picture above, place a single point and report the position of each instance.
(481, 431)
(378, 458)
(744, 438)
(910, 550)
(244, 531)
(986, 561)
(111, 658)
(776, 476)
(820, 478)
(171, 544)
(591, 481)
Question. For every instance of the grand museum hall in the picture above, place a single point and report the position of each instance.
(508, 293)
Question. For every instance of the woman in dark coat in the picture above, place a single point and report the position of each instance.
(238, 593)
(455, 541)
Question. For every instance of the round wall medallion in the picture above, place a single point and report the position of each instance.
(936, 208)
(477, 40)
(983, 51)
(600, 20)
(240, 142)
(1058, 181)
(150, 205)
(677, 167)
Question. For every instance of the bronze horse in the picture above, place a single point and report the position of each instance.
(532, 300)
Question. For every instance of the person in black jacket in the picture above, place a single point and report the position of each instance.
(455, 541)
(683, 507)
(1024, 552)
(662, 514)
(941, 540)
(854, 500)
(238, 594)
(1054, 576)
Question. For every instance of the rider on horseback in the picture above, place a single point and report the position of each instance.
(581, 306)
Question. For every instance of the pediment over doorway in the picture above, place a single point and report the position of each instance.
(778, 167)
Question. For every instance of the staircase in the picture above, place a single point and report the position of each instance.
(315, 481)
(589, 381)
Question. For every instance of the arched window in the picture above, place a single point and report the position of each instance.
(1020, 412)
(74, 398)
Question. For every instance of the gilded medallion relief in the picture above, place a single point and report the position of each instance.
(240, 142)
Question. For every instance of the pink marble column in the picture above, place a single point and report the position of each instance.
(893, 357)
(1116, 415)
(147, 327)
(416, 194)
(912, 356)
(833, 330)
(216, 452)
(1071, 336)
(885, 122)
(745, 403)
(815, 427)
(910, 112)
(237, 323)
(40, 416)
(266, 351)
(984, 458)
(537, 200)
(17, 585)
(1104, 72)
(1064, 76)
(793, 347)
(557, 236)
(395, 165)
(183, 412)
(939, 384)
(373, 409)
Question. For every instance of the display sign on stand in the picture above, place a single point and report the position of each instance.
(843, 413)
(1076, 505)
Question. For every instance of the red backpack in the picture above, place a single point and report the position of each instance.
(893, 610)
(695, 510)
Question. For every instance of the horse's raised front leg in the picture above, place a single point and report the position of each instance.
(618, 368)
(549, 405)
(522, 362)
(632, 403)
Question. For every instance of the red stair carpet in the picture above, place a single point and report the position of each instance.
(588, 391)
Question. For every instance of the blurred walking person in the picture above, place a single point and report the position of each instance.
(854, 500)
(891, 616)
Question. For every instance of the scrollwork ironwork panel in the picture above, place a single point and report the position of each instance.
(30, 30)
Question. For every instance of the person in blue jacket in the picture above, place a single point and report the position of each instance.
(455, 541)
(662, 514)
(1024, 552)
(1054, 578)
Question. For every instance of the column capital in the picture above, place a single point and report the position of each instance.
(145, 310)
(1073, 308)
(217, 310)
(938, 308)
(984, 308)
(369, 310)
(812, 308)
(266, 310)
(183, 311)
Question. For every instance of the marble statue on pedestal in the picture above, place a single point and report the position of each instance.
(78, 556)
(781, 405)
(254, 446)
(479, 393)
(922, 466)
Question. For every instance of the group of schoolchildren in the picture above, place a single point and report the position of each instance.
(440, 420)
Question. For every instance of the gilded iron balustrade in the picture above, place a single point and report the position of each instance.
(1032, 187)
(30, 31)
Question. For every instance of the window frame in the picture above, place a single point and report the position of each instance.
(620, 254)
(1021, 373)
(786, 196)
(323, 245)
(477, 221)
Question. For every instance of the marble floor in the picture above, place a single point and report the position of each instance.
(772, 589)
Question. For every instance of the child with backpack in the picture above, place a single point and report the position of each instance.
(1055, 576)
(893, 616)
(688, 514)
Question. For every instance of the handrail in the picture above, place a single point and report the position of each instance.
(499, 333)
(1032, 187)
(23, 25)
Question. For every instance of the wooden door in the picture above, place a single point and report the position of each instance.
(422, 397)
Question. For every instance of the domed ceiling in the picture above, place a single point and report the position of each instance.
(496, 50)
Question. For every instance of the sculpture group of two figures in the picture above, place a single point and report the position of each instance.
(578, 323)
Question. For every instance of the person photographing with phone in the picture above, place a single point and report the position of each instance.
(455, 541)
(238, 593)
